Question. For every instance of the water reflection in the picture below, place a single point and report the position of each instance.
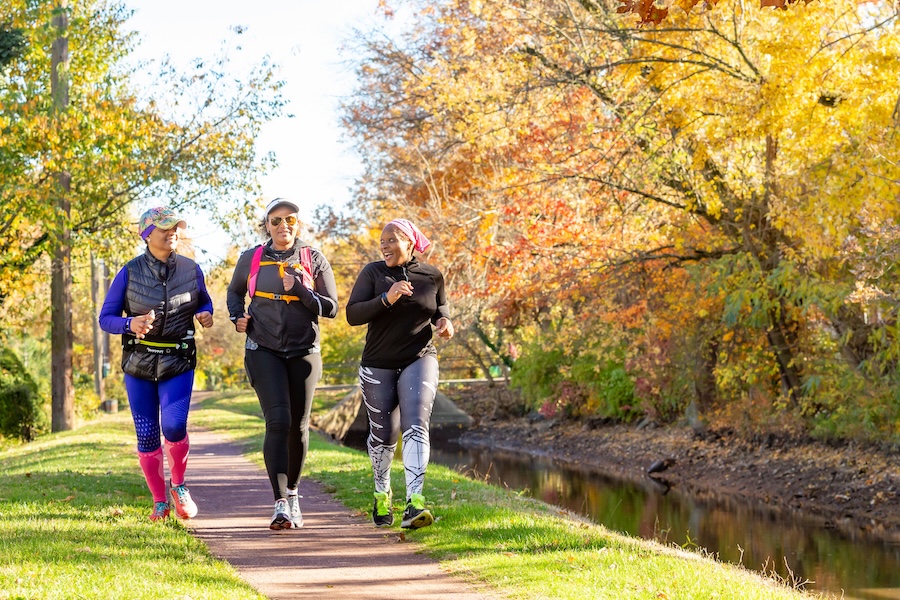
(756, 537)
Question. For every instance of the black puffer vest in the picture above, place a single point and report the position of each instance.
(171, 289)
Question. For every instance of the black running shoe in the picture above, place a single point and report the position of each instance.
(416, 515)
(382, 512)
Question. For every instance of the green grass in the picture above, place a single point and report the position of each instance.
(73, 524)
(505, 541)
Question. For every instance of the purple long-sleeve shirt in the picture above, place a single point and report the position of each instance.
(111, 319)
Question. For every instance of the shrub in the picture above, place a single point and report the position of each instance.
(21, 412)
(578, 380)
(114, 389)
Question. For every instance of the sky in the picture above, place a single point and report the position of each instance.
(304, 37)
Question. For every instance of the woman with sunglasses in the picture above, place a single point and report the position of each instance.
(400, 299)
(160, 293)
(290, 286)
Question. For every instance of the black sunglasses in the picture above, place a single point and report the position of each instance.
(291, 220)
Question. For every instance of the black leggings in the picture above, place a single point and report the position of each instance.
(285, 388)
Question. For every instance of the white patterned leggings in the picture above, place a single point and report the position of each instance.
(400, 400)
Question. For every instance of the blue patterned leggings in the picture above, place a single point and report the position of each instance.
(400, 400)
(159, 405)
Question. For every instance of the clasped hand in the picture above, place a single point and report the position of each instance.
(205, 318)
(142, 324)
(400, 288)
(444, 328)
(288, 281)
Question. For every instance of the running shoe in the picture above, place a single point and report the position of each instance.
(182, 502)
(160, 511)
(416, 515)
(293, 500)
(382, 512)
(282, 517)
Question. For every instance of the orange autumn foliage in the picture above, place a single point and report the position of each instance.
(700, 198)
(655, 11)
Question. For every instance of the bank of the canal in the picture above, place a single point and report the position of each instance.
(851, 489)
(809, 511)
(831, 512)
(846, 486)
(736, 531)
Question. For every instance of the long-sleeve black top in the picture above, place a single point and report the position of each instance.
(399, 334)
(288, 329)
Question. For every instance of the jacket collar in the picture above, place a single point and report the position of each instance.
(298, 243)
(162, 269)
(411, 265)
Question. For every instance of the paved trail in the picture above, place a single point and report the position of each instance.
(334, 555)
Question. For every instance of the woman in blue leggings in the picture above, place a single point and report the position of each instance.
(160, 293)
(400, 299)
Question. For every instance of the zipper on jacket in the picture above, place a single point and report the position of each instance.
(165, 310)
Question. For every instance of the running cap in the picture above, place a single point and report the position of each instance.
(281, 202)
(163, 218)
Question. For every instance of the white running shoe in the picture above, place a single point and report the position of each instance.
(282, 517)
(182, 502)
(293, 500)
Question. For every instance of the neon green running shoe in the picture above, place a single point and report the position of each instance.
(416, 515)
(382, 512)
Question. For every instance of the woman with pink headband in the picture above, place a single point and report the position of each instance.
(400, 299)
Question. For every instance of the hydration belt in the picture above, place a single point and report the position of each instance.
(182, 347)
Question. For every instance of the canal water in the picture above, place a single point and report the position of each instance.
(757, 537)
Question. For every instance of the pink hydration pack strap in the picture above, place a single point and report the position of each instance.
(305, 263)
(254, 269)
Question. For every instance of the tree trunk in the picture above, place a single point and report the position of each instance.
(780, 340)
(478, 358)
(706, 378)
(62, 391)
(482, 335)
(99, 356)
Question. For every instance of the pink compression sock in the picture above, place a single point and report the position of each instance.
(177, 455)
(152, 466)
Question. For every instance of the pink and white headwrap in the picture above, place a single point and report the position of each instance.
(420, 242)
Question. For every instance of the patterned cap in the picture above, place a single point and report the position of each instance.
(163, 218)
